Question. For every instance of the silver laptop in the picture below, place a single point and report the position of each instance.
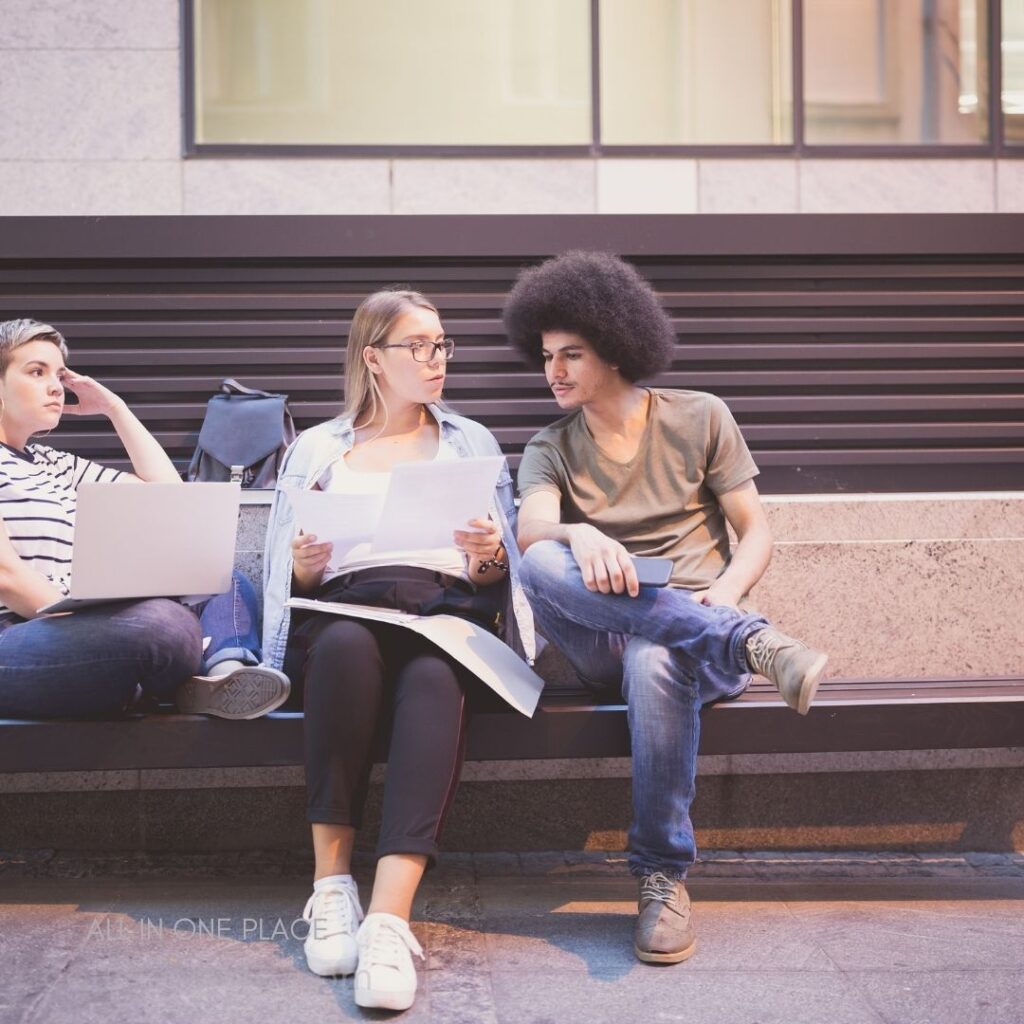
(151, 540)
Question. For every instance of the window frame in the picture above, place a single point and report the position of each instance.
(995, 147)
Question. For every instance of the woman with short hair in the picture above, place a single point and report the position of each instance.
(92, 661)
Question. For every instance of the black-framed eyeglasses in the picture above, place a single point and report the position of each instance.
(426, 351)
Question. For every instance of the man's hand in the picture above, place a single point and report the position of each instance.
(604, 563)
(309, 560)
(718, 594)
(94, 399)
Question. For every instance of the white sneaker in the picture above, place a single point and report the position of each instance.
(333, 915)
(233, 690)
(386, 978)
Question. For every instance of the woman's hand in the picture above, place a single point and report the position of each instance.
(309, 560)
(94, 399)
(481, 541)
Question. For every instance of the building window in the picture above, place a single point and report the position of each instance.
(894, 72)
(1013, 70)
(393, 72)
(696, 72)
(605, 76)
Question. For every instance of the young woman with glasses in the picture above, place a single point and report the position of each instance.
(363, 681)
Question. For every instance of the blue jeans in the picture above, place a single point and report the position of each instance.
(91, 662)
(670, 654)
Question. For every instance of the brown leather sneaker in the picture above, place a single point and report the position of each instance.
(792, 666)
(664, 930)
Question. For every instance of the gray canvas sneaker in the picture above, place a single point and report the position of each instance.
(233, 690)
(664, 930)
(793, 667)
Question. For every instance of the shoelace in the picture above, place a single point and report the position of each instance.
(761, 652)
(657, 887)
(387, 941)
(338, 909)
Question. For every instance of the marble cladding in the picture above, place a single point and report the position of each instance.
(286, 186)
(90, 105)
(897, 186)
(1010, 185)
(646, 186)
(534, 769)
(96, 25)
(977, 809)
(902, 609)
(892, 518)
(45, 152)
(99, 188)
(492, 185)
(748, 186)
(923, 587)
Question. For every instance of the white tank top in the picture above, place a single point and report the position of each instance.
(341, 479)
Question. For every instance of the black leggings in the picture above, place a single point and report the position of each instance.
(361, 677)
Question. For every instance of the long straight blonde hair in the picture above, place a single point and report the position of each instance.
(372, 323)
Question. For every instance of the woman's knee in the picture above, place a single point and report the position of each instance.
(343, 657)
(429, 680)
(341, 642)
(163, 634)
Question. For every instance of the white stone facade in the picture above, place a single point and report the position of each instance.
(91, 124)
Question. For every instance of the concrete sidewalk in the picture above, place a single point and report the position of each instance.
(522, 938)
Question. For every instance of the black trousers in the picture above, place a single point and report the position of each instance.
(363, 682)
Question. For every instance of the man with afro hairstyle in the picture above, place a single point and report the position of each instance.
(640, 471)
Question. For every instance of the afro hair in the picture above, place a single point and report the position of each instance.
(599, 297)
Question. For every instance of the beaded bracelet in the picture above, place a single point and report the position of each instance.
(492, 563)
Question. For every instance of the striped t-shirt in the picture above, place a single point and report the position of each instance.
(37, 504)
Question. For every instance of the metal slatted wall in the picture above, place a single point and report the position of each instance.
(892, 361)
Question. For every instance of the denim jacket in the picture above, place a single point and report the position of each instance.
(304, 463)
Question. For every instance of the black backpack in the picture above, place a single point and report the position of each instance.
(244, 436)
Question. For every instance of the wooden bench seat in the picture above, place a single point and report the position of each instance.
(897, 714)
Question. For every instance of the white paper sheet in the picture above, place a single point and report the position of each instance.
(427, 501)
(491, 661)
(346, 520)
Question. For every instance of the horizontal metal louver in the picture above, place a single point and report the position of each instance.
(858, 353)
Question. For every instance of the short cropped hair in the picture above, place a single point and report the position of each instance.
(15, 333)
(599, 297)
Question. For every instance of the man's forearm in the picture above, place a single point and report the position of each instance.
(749, 561)
(534, 530)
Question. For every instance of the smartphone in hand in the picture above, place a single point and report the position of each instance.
(653, 572)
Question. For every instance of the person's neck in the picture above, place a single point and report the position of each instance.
(397, 418)
(621, 412)
(13, 438)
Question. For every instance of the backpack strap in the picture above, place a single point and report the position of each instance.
(230, 386)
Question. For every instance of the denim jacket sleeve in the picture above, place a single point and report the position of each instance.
(277, 561)
(303, 463)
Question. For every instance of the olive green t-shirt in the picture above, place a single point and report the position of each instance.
(662, 503)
